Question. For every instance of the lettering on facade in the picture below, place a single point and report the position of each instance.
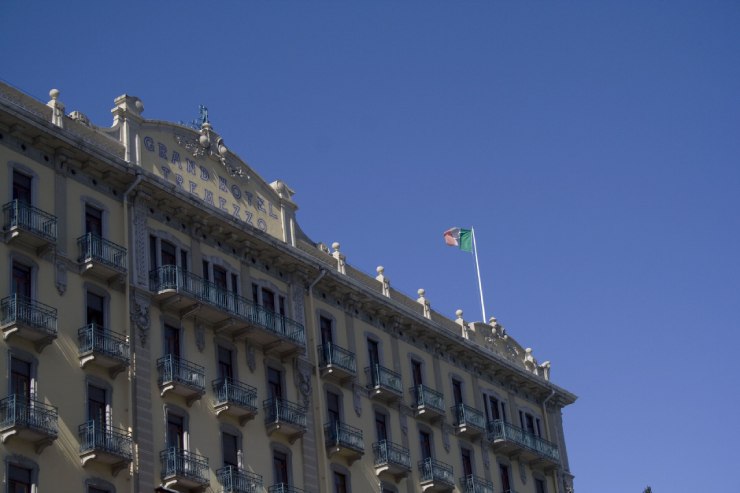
(209, 186)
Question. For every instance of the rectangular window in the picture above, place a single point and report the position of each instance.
(467, 462)
(93, 489)
(280, 467)
(206, 271)
(340, 483)
(21, 281)
(225, 363)
(95, 310)
(153, 263)
(234, 283)
(381, 427)
(175, 431)
(539, 486)
(97, 406)
(19, 479)
(274, 383)
(230, 444)
(22, 187)
(183, 260)
(268, 300)
(20, 378)
(457, 394)
(255, 294)
(425, 444)
(93, 221)
(326, 332)
(220, 277)
(171, 340)
(281, 305)
(416, 372)
(373, 352)
(168, 253)
(333, 407)
(504, 472)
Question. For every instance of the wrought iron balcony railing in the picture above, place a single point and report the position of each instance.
(93, 338)
(380, 377)
(24, 216)
(95, 436)
(284, 488)
(474, 484)
(21, 411)
(229, 391)
(390, 453)
(469, 416)
(176, 370)
(282, 411)
(435, 471)
(236, 480)
(19, 309)
(425, 397)
(93, 248)
(338, 434)
(184, 464)
(171, 277)
(331, 354)
(500, 430)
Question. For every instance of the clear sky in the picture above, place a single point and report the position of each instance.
(594, 145)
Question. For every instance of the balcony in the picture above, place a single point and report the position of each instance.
(391, 460)
(469, 422)
(183, 469)
(28, 420)
(28, 226)
(25, 318)
(344, 440)
(181, 377)
(230, 315)
(103, 348)
(101, 258)
(384, 384)
(435, 475)
(336, 363)
(237, 480)
(105, 445)
(284, 488)
(474, 484)
(428, 404)
(509, 439)
(285, 418)
(236, 399)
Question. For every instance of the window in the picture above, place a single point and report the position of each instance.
(225, 363)
(539, 486)
(175, 431)
(163, 252)
(505, 482)
(530, 424)
(93, 489)
(333, 406)
(95, 309)
(22, 187)
(168, 253)
(274, 383)
(93, 220)
(171, 340)
(416, 372)
(494, 408)
(19, 479)
(381, 426)
(467, 461)
(373, 352)
(21, 382)
(457, 394)
(425, 444)
(21, 279)
(280, 467)
(325, 325)
(97, 485)
(231, 449)
(98, 406)
(340, 482)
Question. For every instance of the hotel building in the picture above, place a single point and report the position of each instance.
(168, 326)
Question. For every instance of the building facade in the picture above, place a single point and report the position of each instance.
(168, 326)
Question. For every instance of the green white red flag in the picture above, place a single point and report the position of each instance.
(460, 237)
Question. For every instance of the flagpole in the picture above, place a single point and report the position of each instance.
(477, 270)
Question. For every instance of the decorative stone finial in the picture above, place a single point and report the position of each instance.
(341, 259)
(385, 283)
(425, 303)
(57, 108)
(54, 94)
(459, 313)
(421, 292)
(335, 246)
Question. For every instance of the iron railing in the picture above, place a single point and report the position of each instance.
(435, 471)
(19, 309)
(284, 488)
(24, 216)
(331, 354)
(93, 338)
(98, 436)
(96, 249)
(469, 416)
(500, 430)
(425, 397)
(474, 484)
(230, 391)
(389, 453)
(19, 410)
(176, 462)
(236, 480)
(171, 277)
(177, 370)
(338, 434)
(380, 377)
(282, 411)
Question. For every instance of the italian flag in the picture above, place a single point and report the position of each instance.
(459, 237)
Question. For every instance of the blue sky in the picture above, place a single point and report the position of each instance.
(593, 145)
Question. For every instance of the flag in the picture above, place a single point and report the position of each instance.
(461, 238)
